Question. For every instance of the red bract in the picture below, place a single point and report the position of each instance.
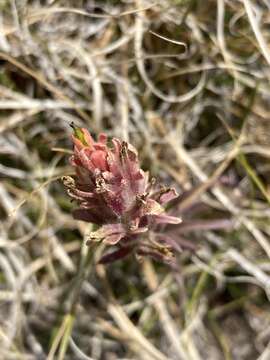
(115, 193)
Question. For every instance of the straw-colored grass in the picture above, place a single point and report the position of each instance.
(187, 83)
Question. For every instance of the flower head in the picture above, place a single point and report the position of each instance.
(115, 193)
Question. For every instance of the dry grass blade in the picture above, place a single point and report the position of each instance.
(187, 84)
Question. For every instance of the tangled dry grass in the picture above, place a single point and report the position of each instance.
(185, 81)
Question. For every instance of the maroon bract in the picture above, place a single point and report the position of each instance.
(115, 193)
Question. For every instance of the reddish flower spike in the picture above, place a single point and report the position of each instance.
(114, 192)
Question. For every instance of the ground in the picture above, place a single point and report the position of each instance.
(187, 83)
